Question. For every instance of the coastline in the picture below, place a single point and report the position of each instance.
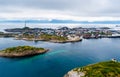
(54, 41)
(24, 54)
(101, 69)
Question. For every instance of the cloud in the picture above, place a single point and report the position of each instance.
(61, 9)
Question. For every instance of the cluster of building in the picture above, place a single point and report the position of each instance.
(68, 32)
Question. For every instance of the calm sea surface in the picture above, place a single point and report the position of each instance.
(60, 59)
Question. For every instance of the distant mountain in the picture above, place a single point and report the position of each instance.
(58, 21)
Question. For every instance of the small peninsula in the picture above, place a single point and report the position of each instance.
(102, 69)
(22, 51)
(48, 37)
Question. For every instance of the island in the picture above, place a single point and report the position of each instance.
(22, 51)
(48, 37)
(102, 69)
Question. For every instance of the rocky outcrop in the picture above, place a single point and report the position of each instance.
(74, 74)
(22, 51)
(102, 69)
(24, 54)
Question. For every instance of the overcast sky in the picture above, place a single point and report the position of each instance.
(89, 10)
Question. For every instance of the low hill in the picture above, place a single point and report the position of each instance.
(102, 69)
(22, 51)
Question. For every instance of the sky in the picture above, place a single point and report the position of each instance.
(78, 10)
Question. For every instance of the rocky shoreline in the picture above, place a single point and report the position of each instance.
(54, 41)
(102, 69)
(26, 53)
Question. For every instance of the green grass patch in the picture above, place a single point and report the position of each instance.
(102, 69)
